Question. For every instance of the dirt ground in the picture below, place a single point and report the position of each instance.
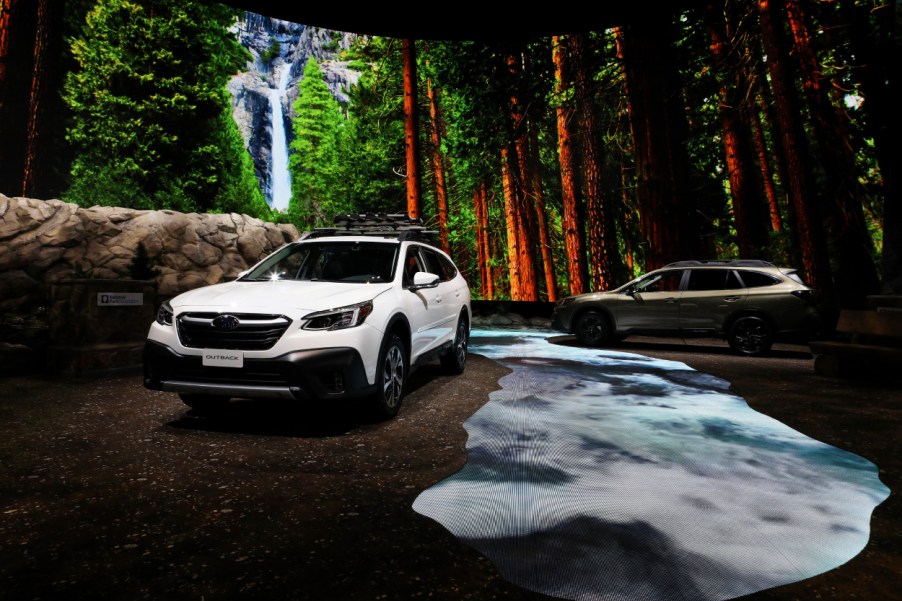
(112, 491)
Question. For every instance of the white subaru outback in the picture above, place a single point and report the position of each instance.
(344, 312)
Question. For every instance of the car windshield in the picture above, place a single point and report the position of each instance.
(359, 262)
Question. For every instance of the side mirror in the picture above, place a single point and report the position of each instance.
(424, 279)
(630, 291)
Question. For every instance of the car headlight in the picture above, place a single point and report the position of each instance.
(164, 314)
(338, 319)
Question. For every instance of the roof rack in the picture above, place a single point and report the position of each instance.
(730, 263)
(389, 225)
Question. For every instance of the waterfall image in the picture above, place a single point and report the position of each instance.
(281, 178)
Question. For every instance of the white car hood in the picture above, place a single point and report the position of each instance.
(292, 298)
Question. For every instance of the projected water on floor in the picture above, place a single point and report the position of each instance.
(596, 474)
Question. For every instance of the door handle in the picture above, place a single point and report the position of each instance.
(671, 300)
(730, 299)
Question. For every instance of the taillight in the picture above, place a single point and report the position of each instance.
(808, 296)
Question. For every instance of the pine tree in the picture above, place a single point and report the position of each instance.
(313, 161)
(148, 100)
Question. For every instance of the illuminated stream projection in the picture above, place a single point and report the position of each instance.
(596, 474)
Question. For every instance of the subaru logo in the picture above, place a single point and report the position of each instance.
(226, 322)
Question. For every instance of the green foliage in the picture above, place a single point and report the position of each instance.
(372, 150)
(148, 103)
(241, 191)
(316, 191)
(275, 48)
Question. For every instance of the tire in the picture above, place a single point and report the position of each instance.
(391, 376)
(751, 336)
(203, 402)
(593, 329)
(454, 360)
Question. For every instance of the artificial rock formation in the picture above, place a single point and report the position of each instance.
(43, 242)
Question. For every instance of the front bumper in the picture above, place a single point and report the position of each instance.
(316, 374)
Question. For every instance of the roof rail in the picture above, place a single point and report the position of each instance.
(389, 225)
(730, 263)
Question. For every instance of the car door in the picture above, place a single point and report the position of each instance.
(710, 296)
(448, 294)
(425, 308)
(652, 304)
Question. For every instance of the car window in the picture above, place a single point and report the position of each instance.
(667, 281)
(757, 279)
(413, 263)
(713, 279)
(439, 265)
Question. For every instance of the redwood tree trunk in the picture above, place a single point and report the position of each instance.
(411, 129)
(573, 223)
(657, 121)
(749, 211)
(600, 239)
(483, 252)
(541, 216)
(853, 250)
(520, 179)
(808, 221)
(512, 221)
(438, 167)
(17, 30)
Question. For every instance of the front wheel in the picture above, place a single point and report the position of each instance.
(750, 336)
(391, 375)
(593, 329)
(454, 360)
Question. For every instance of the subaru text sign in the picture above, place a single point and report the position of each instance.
(119, 299)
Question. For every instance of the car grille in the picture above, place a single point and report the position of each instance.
(253, 332)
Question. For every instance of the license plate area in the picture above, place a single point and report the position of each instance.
(223, 358)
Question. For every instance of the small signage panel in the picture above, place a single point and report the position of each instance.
(223, 358)
(119, 299)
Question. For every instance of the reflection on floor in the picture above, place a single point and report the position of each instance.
(596, 474)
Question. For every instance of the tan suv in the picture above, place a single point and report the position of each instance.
(750, 303)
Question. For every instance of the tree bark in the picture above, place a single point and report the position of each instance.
(749, 212)
(808, 220)
(601, 241)
(571, 182)
(770, 188)
(438, 167)
(856, 271)
(411, 130)
(668, 218)
(522, 198)
(17, 30)
(512, 221)
(483, 250)
(542, 217)
(37, 101)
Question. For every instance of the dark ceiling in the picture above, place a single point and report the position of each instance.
(459, 21)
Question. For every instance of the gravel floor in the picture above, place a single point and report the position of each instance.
(112, 491)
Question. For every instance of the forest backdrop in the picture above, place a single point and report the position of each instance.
(550, 166)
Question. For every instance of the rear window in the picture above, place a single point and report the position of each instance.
(713, 279)
(756, 279)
